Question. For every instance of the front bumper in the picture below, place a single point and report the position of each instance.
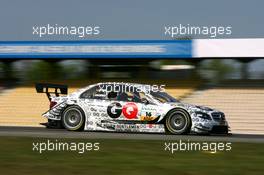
(212, 125)
(219, 130)
(211, 128)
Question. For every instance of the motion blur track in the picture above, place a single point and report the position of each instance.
(41, 132)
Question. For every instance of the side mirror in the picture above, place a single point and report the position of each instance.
(145, 101)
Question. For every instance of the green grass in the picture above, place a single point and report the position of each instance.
(127, 157)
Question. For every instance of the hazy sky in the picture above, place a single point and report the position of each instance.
(129, 19)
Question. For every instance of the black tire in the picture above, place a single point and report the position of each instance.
(73, 118)
(178, 121)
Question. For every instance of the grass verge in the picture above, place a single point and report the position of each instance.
(127, 157)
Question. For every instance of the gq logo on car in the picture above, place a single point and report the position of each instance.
(129, 110)
(114, 110)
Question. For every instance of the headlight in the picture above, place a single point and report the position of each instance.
(203, 115)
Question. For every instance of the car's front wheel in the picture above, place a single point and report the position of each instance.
(178, 121)
(73, 118)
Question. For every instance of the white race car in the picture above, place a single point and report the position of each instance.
(128, 107)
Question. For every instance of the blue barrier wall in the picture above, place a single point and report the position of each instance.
(95, 49)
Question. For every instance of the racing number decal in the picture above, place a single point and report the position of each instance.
(130, 110)
(114, 110)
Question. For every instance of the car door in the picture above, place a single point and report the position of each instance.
(149, 111)
(131, 107)
(94, 103)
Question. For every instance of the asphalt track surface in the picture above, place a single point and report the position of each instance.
(41, 132)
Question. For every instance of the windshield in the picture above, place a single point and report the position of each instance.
(163, 97)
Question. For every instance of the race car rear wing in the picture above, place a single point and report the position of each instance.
(51, 89)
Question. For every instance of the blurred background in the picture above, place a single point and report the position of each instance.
(224, 74)
(235, 86)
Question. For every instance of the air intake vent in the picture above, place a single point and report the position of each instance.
(218, 116)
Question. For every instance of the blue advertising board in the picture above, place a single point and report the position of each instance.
(95, 49)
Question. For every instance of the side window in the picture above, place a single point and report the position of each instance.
(112, 95)
(94, 93)
(124, 96)
(88, 93)
(130, 97)
(117, 94)
(142, 95)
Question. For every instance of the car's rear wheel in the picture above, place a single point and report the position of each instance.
(178, 121)
(73, 118)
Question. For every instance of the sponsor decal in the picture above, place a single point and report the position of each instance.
(90, 123)
(150, 125)
(147, 117)
(93, 109)
(114, 110)
(96, 114)
(130, 110)
(104, 115)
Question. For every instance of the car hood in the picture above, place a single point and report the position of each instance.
(192, 107)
